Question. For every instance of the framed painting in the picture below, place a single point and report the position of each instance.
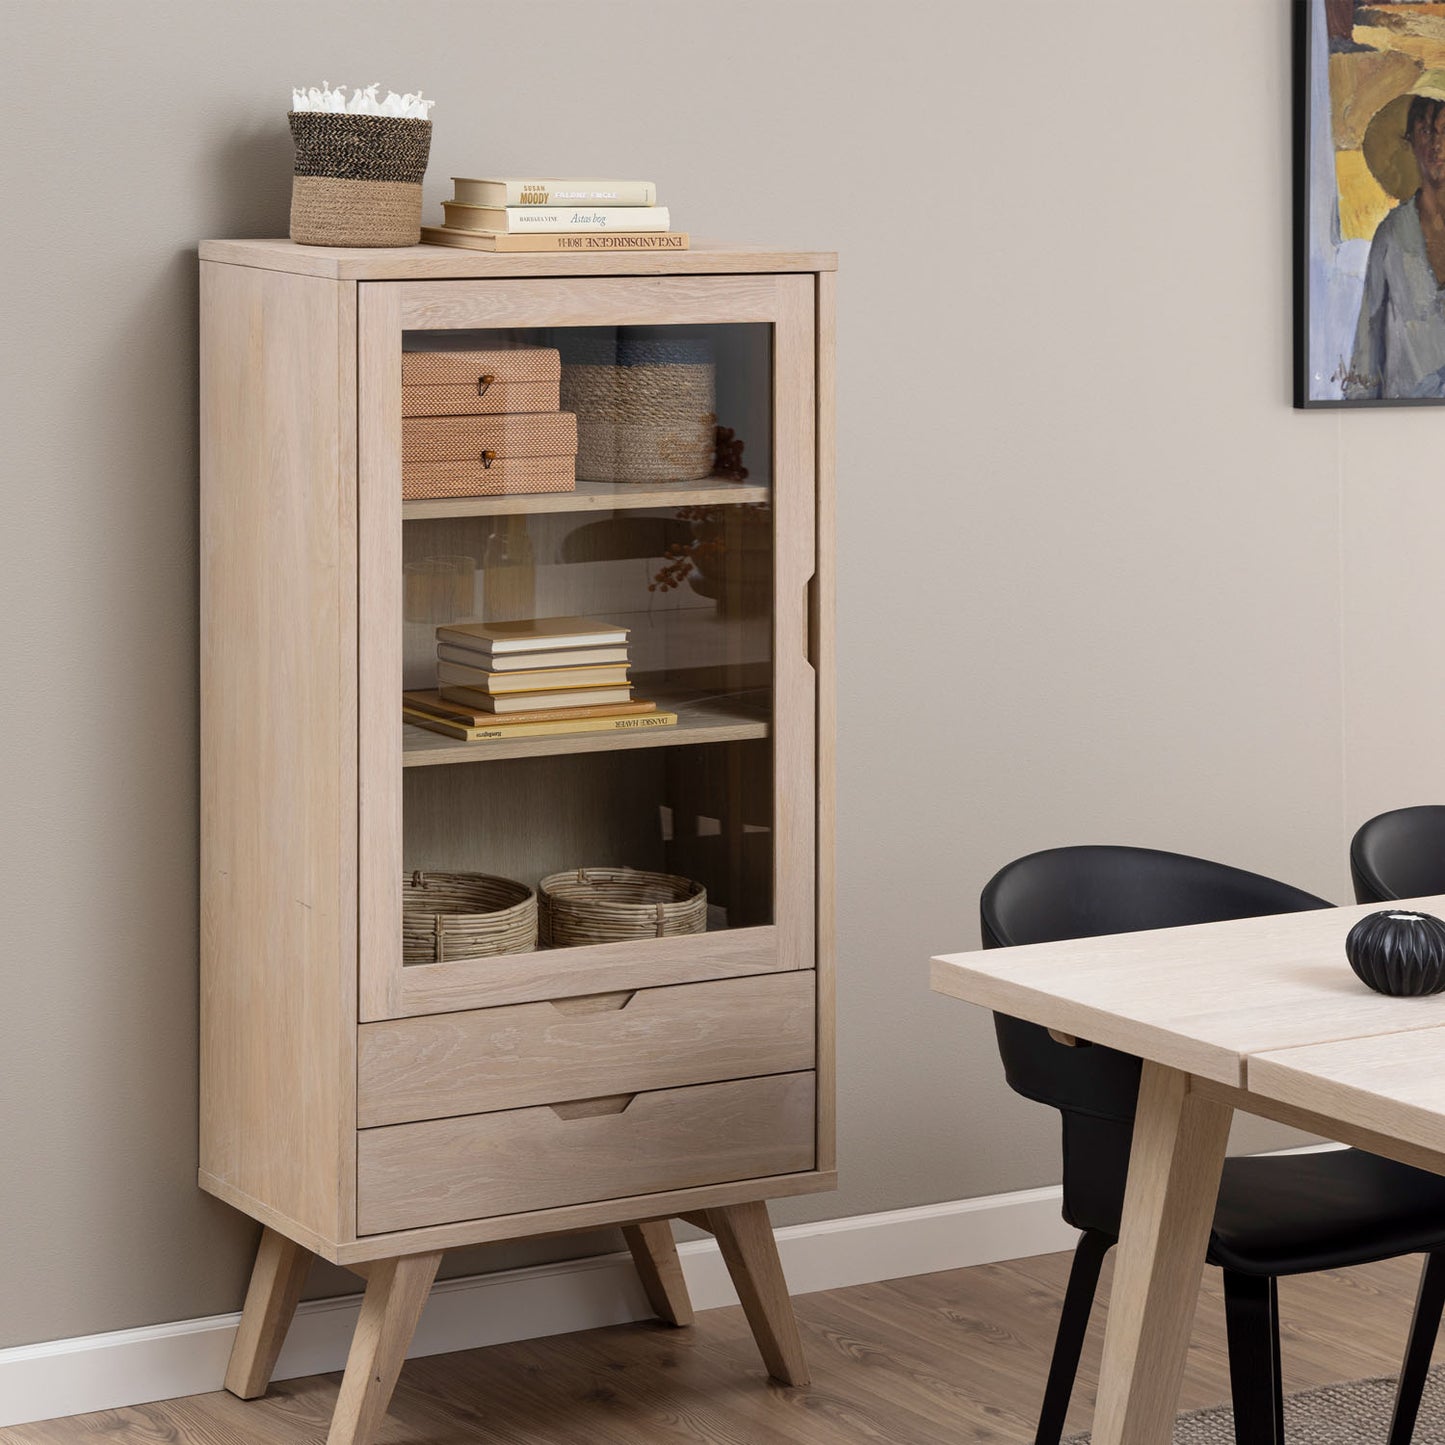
(1369, 203)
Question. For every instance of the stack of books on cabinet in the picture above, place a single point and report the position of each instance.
(533, 678)
(555, 214)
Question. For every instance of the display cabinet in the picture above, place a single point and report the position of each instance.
(372, 1094)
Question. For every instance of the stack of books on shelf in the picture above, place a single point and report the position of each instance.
(554, 214)
(540, 677)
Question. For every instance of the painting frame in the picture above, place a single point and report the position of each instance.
(1330, 245)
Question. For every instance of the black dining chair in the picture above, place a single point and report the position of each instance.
(1400, 854)
(1276, 1214)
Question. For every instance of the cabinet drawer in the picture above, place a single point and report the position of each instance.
(410, 1176)
(574, 1048)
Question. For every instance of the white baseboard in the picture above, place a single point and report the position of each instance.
(159, 1362)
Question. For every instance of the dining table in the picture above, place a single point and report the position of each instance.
(1262, 1015)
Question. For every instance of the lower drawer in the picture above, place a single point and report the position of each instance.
(410, 1176)
(574, 1048)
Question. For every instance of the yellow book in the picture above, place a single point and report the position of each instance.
(626, 723)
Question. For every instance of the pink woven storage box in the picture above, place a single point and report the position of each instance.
(473, 383)
(482, 456)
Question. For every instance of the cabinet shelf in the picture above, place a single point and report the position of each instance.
(593, 497)
(700, 719)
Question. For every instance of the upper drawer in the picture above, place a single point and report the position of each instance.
(541, 1053)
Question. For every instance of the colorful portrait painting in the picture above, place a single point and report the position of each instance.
(1370, 186)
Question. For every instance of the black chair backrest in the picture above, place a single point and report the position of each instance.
(1399, 855)
(1079, 893)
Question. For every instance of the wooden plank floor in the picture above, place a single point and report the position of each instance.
(945, 1357)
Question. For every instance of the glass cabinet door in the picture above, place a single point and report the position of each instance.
(587, 710)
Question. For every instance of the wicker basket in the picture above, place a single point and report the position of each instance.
(357, 180)
(609, 905)
(465, 915)
(646, 409)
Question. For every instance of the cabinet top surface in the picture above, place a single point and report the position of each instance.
(432, 263)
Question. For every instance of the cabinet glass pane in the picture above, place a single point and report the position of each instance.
(684, 563)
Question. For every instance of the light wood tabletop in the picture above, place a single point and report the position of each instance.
(1259, 1014)
(1204, 998)
(1399, 1089)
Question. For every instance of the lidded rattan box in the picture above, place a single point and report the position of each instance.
(485, 423)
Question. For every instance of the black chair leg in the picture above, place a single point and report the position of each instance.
(1423, 1328)
(1278, 1363)
(1251, 1315)
(1069, 1342)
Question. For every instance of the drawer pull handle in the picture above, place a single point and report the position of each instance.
(594, 1003)
(487, 459)
(484, 384)
(592, 1108)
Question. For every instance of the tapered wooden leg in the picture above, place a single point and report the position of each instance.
(654, 1252)
(1178, 1153)
(745, 1237)
(396, 1291)
(276, 1280)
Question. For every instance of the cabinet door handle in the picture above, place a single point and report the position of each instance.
(810, 611)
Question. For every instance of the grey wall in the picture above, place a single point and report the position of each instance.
(1099, 582)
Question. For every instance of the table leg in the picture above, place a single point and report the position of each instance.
(1178, 1153)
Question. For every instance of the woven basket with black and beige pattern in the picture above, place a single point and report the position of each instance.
(358, 178)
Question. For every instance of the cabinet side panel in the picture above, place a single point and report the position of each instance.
(824, 660)
(277, 674)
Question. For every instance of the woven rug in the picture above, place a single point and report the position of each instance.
(1355, 1413)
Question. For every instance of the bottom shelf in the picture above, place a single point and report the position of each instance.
(701, 718)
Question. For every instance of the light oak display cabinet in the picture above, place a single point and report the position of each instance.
(377, 1108)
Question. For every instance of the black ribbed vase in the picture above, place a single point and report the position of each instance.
(1399, 952)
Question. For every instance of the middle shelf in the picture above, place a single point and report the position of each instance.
(701, 718)
(594, 497)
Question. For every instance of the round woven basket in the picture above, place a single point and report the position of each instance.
(646, 409)
(609, 905)
(465, 915)
(358, 178)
